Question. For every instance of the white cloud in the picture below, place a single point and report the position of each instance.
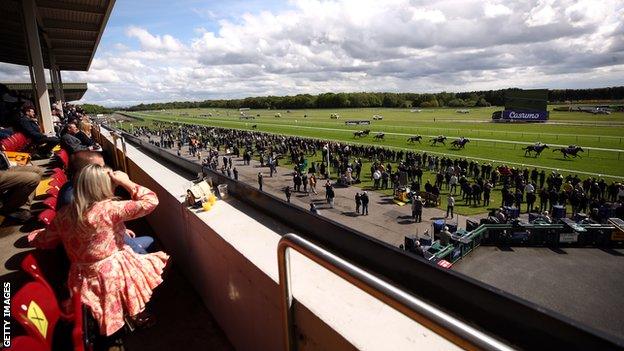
(355, 45)
(492, 10)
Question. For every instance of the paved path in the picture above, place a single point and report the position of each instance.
(386, 221)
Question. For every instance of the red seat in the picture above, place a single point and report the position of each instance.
(60, 176)
(31, 266)
(64, 157)
(35, 307)
(47, 216)
(56, 183)
(50, 202)
(52, 191)
(27, 343)
(78, 333)
(16, 142)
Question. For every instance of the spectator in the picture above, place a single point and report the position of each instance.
(417, 206)
(113, 280)
(70, 142)
(313, 208)
(450, 205)
(329, 194)
(29, 125)
(445, 236)
(17, 184)
(288, 192)
(78, 161)
(358, 202)
(364, 199)
(260, 177)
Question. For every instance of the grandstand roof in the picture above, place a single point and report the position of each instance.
(71, 29)
(72, 91)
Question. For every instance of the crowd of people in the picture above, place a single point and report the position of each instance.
(112, 268)
(470, 181)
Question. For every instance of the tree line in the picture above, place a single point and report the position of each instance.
(391, 100)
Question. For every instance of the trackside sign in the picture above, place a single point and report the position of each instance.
(513, 115)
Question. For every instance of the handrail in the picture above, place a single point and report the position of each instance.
(118, 136)
(418, 310)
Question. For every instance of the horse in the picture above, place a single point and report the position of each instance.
(414, 139)
(255, 126)
(460, 143)
(438, 139)
(380, 136)
(537, 148)
(572, 150)
(358, 134)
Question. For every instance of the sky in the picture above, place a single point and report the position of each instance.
(156, 51)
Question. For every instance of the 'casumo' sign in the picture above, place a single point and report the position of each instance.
(525, 115)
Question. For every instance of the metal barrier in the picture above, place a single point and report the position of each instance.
(418, 310)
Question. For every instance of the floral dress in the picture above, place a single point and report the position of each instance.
(112, 279)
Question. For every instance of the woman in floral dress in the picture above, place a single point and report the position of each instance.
(113, 280)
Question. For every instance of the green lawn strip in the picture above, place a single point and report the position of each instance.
(481, 149)
(602, 137)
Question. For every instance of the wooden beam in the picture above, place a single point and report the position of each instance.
(70, 25)
(74, 7)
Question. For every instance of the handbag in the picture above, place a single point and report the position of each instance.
(197, 192)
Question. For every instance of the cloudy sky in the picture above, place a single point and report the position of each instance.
(155, 50)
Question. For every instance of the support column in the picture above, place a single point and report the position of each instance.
(60, 80)
(54, 77)
(36, 60)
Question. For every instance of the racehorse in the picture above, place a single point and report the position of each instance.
(438, 139)
(414, 139)
(570, 150)
(460, 143)
(255, 126)
(537, 148)
(359, 133)
(380, 136)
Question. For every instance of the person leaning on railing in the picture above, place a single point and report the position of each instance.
(113, 280)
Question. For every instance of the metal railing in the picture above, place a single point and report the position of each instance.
(418, 310)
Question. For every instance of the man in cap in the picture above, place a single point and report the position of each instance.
(417, 206)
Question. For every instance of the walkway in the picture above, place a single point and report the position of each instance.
(386, 221)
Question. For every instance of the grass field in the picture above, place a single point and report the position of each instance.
(498, 142)
(601, 135)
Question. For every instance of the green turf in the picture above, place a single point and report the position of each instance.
(501, 140)
(587, 130)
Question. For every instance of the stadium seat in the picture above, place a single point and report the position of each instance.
(52, 191)
(50, 202)
(36, 309)
(64, 157)
(55, 182)
(80, 338)
(31, 266)
(27, 343)
(47, 216)
(16, 142)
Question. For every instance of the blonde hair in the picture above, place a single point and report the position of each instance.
(93, 184)
(85, 127)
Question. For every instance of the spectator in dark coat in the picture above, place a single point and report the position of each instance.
(28, 124)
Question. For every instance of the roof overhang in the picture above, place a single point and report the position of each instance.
(72, 91)
(69, 29)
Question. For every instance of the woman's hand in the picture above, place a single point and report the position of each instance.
(119, 178)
